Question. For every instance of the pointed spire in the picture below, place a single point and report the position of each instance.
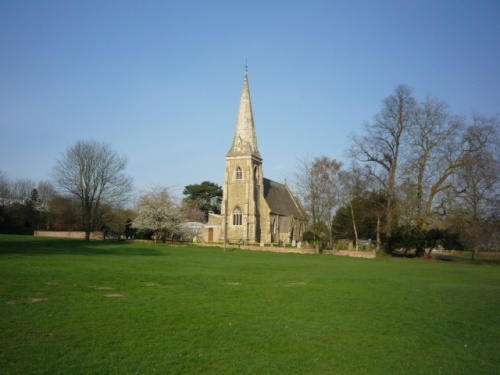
(245, 140)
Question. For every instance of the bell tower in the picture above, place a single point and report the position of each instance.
(243, 181)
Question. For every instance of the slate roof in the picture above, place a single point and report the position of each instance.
(280, 200)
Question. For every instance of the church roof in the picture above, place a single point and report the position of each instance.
(280, 200)
(245, 140)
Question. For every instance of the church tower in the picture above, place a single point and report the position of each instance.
(243, 178)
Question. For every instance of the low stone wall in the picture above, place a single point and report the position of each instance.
(356, 254)
(67, 234)
(276, 249)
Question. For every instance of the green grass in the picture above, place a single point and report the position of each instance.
(192, 310)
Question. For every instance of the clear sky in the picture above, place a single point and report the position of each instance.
(161, 80)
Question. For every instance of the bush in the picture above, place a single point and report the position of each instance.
(308, 236)
(411, 238)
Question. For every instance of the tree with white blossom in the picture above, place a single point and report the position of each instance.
(159, 213)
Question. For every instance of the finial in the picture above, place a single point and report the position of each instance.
(246, 66)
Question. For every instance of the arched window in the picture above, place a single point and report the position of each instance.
(237, 217)
(239, 173)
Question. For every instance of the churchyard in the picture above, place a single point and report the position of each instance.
(74, 307)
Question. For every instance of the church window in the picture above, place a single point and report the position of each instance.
(237, 216)
(239, 173)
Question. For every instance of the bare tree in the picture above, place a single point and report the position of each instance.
(191, 213)
(318, 184)
(434, 151)
(381, 146)
(92, 173)
(477, 184)
(21, 189)
(46, 192)
(352, 185)
(4, 185)
(158, 212)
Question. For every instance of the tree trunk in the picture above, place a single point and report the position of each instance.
(475, 251)
(420, 253)
(319, 250)
(378, 233)
(354, 226)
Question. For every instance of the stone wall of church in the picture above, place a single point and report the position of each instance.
(242, 194)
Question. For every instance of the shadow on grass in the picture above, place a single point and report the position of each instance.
(464, 258)
(29, 245)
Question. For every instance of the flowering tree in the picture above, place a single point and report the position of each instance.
(159, 213)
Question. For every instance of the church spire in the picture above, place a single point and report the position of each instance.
(245, 140)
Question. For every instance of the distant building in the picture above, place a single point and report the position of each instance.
(254, 209)
(191, 230)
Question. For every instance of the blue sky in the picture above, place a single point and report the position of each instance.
(161, 80)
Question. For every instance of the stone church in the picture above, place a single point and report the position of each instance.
(255, 210)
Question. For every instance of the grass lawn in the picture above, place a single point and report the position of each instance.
(69, 307)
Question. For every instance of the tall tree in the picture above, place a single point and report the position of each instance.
(4, 193)
(317, 182)
(354, 184)
(381, 146)
(350, 183)
(360, 218)
(46, 194)
(92, 173)
(4, 185)
(21, 189)
(435, 151)
(205, 197)
(477, 184)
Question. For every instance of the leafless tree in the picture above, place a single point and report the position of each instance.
(353, 183)
(477, 184)
(380, 147)
(21, 188)
(92, 173)
(317, 182)
(434, 152)
(419, 154)
(191, 213)
(46, 191)
(4, 185)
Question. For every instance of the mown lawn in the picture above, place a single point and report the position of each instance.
(69, 307)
